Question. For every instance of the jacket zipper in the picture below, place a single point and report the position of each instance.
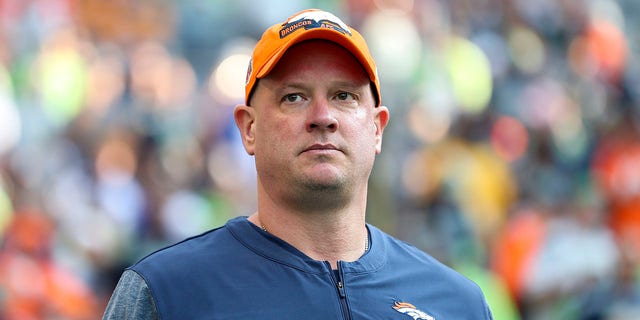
(336, 276)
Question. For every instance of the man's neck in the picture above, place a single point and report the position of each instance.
(328, 236)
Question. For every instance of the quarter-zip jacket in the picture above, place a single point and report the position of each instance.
(238, 271)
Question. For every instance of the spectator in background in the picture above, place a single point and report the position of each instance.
(34, 285)
(562, 272)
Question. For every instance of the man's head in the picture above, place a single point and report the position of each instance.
(315, 123)
(307, 25)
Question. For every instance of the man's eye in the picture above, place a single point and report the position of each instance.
(294, 97)
(345, 96)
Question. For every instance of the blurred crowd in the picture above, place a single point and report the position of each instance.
(513, 153)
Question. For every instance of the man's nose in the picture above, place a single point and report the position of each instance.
(321, 116)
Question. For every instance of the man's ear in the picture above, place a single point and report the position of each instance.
(381, 119)
(245, 120)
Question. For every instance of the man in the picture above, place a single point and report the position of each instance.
(313, 120)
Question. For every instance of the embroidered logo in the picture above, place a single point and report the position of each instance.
(412, 311)
(312, 20)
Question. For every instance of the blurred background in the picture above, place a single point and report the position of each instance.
(513, 152)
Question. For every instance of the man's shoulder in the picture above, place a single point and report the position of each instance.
(408, 265)
(203, 246)
(401, 251)
(402, 255)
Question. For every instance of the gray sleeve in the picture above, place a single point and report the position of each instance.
(131, 299)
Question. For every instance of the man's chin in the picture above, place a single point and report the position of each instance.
(322, 195)
(315, 186)
(325, 181)
(328, 178)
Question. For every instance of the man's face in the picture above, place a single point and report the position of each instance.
(315, 126)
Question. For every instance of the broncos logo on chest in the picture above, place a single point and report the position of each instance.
(412, 311)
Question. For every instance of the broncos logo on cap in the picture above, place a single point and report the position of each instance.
(412, 311)
(312, 19)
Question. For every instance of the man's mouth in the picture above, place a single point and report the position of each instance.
(320, 147)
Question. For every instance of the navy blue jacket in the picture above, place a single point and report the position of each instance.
(239, 271)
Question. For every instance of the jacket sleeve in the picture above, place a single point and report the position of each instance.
(131, 299)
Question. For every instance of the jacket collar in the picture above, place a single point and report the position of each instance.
(275, 249)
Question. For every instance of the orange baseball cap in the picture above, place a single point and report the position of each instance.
(306, 25)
